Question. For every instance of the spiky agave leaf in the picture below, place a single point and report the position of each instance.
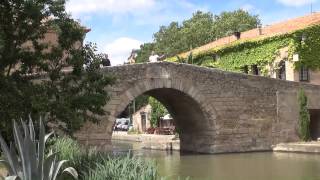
(12, 163)
(26, 160)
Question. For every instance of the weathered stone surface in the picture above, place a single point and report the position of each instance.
(217, 111)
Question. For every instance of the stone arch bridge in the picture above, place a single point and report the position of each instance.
(217, 111)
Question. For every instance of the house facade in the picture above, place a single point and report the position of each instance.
(141, 118)
(288, 50)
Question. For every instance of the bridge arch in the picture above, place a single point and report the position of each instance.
(183, 101)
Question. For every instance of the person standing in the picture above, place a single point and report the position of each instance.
(106, 61)
(155, 57)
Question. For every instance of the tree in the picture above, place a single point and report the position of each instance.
(193, 32)
(72, 97)
(158, 110)
(200, 29)
(235, 21)
(304, 116)
(144, 52)
(168, 40)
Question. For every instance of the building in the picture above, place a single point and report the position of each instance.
(141, 118)
(288, 50)
(51, 40)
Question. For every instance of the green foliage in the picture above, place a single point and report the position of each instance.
(67, 148)
(309, 48)
(25, 159)
(263, 51)
(144, 52)
(304, 116)
(72, 97)
(123, 168)
(200, 29)
(141, 101)
(158, 110)
(93, 165)
(235, 21)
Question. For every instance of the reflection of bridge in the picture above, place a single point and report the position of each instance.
(216, 111)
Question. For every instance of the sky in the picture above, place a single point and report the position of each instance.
(118, 26)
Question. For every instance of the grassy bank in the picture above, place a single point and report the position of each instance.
(93, 165)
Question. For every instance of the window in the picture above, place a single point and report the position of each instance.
(282, 70)
(304, 73)
(255, 69)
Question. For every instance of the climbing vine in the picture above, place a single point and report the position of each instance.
(304, 116)
(263, 51)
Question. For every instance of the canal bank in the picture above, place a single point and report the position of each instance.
(149, 141)
(298, 147)
(170, 142)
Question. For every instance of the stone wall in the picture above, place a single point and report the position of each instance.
(216, 111)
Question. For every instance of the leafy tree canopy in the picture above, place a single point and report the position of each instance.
(72, 97)
(201, 28)
(158, 110)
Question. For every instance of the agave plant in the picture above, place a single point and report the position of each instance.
(26, 159)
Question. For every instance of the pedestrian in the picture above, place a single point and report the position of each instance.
(106, 61)
(155, 57)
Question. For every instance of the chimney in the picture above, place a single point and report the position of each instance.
(237, 34)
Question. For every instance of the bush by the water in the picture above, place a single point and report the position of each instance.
(123, 168)
(93, 165)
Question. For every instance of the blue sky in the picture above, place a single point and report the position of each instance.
(117, 26)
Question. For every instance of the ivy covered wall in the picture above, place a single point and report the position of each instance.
(263, 51)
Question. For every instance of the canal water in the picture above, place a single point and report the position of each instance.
(238, 166)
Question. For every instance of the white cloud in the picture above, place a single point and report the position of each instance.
(296, 3)
(248, 7)
(120, 49)
(77, 7)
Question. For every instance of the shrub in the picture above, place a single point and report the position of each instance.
(67, 148)
(93, 165)
(304, 116)
(123, 168)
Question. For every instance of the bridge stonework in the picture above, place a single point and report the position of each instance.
(216, 111)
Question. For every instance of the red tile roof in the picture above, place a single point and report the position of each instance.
(267, 31)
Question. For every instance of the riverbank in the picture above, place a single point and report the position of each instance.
(169, 142)
(298, 147)
(150, 141)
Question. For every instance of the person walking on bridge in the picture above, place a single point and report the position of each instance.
(155, 57)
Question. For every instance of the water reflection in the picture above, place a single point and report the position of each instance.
(243, 166)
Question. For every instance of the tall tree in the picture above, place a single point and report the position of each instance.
(158, 110)
(144, 52)
(200, 29)
(72, 97)
(235, 21)
(168, 40)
